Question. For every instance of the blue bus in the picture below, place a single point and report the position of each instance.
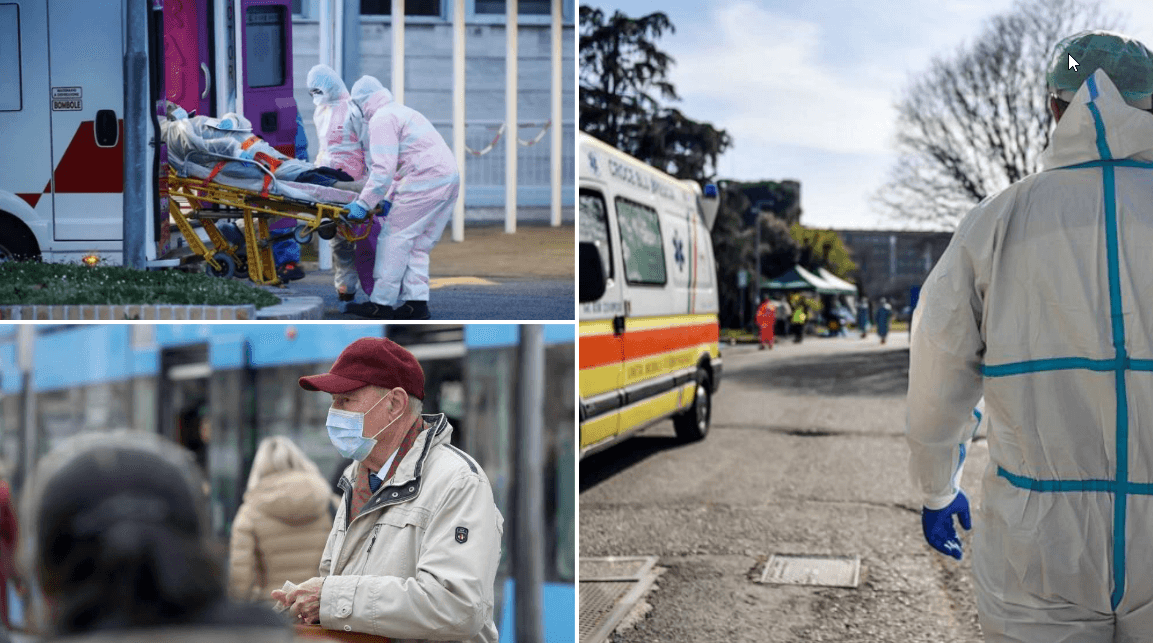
(219, 389)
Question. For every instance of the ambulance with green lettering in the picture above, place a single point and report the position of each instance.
(649, 332)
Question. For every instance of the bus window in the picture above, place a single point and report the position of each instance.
(264, 55)
(10, 91)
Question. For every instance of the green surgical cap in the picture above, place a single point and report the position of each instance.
(1128, 63)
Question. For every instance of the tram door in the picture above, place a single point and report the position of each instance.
(183, 402)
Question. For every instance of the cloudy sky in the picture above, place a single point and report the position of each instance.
(806, 89)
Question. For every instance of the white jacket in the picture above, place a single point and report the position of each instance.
(1043, 303)
(419, 562)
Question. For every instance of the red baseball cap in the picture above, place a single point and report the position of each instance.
(371, 360)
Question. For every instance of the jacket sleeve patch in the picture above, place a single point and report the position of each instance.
(461, 535)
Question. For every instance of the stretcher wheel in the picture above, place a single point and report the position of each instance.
(302, 235)
(227, 264)
(327, 231)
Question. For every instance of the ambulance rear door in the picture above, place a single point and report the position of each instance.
(86, 99)
(26, 164)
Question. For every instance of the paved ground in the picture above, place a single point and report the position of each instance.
(490, 275)
(806, 456)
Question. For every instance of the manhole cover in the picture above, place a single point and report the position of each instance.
(828, 571)
(609, 588)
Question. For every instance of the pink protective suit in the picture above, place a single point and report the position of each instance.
(404, 147)
(338, 127)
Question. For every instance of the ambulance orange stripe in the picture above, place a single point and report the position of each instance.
(599, 350)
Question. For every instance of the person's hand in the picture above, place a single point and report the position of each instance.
(384, 207)
(356, 212)
(304, 601)
(937, 525)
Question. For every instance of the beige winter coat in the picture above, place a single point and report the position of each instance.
(419, 562)
(279, 534)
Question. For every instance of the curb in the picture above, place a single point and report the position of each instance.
(288, 308)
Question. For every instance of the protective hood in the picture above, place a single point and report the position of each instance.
(328, 82)
(1099, 107)
(366, 88)
(292, 497)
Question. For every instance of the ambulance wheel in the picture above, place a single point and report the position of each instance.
(227, 266)
(693, 423)
(302, 235)
(16, 242)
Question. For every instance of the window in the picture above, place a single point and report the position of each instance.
(525, 7)
(264, 56)
(10, 91)
(297, 7)
(411, 8)
(594, 226)
(644, 254)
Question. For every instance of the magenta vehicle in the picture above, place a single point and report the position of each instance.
(204, 73)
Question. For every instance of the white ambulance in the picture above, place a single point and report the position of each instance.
(649, 330)
(62, 110)
(62, 131)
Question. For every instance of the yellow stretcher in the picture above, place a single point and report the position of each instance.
(224, 259)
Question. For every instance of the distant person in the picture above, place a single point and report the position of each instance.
(118, 548)
(766, 318)
(1041, 305)
(280, 530)
(410, 165)
(884, 317)
(863, 317)
(800, 318)
(415, 546)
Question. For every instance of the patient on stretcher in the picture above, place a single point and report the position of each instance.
(225, 151)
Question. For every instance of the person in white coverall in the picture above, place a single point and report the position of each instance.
(1042, 304)
(404, 147)
(338, 126)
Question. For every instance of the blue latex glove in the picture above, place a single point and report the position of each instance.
(356, 212)
(385, 206)
(938, 525)
(249, 154)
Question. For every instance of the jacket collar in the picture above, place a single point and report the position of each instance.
(406, 481)
(1099, 124)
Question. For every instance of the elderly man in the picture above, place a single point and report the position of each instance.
(1041, 303)
(408, 159)
(415, 545)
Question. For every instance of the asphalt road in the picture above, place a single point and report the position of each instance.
(806, 455)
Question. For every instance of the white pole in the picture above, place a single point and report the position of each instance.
(557, 125)
(223, 89)
(458, 124)
(330, 24)
(239, 39)
(512, 131)
(398, 51)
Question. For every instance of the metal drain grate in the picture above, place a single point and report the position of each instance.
(828, 571)
(609, 588)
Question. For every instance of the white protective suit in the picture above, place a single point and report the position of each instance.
(403, 145)
(338, 126)
(1042, 302)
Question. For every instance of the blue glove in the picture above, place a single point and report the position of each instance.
(356, 212)
(938, 525)
(385, 206)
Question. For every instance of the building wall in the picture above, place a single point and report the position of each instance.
(428, 89)
(890, 262)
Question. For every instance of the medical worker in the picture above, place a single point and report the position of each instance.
(1042, 303)
(402, 147)
(338, 125)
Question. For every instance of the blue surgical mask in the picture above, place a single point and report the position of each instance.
(346, 431)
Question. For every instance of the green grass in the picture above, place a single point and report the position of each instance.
(28, 283)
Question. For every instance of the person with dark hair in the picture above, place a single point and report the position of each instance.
(415, 545)
(117, 548)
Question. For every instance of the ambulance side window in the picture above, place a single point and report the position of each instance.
(644, 253)
(594, 226)
(10, 90)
